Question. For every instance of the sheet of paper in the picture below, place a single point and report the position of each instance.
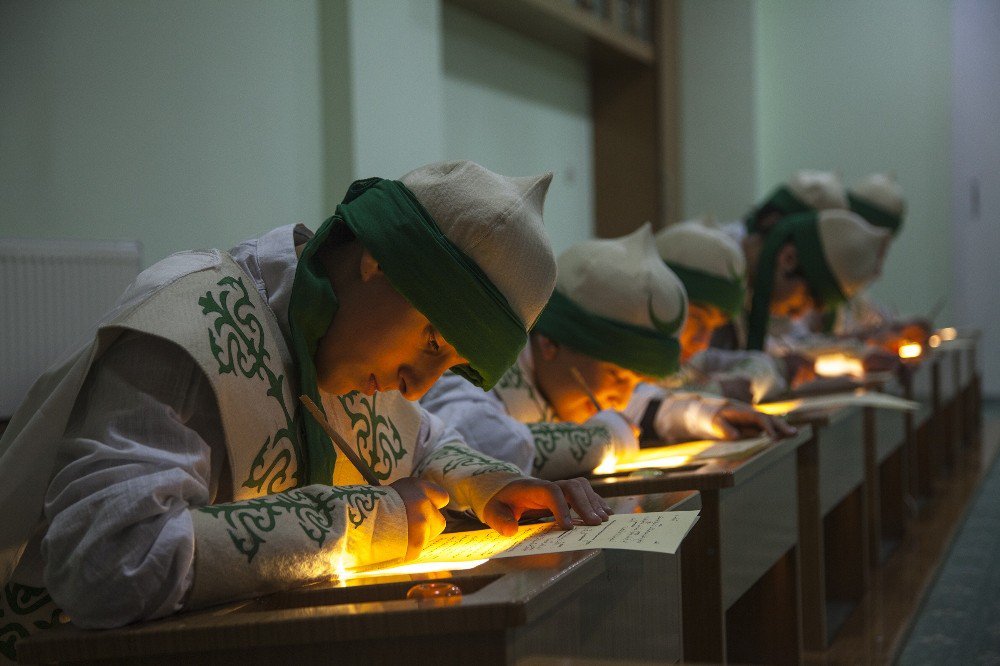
(734, 449)
(836, 400)
(652, 532)
(676, 455)
(656, 532)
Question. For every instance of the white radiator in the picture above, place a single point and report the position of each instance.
(52, 292)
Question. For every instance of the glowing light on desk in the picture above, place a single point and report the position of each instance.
(778, 408)
(934, 341)
(838, 365)
(340, 564)
(607, 465)
(910, 350)
(661, 457)
(413, 568)
(947, 334)
(664, 462)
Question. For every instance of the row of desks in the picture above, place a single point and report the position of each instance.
(787, 540)
(782, 552)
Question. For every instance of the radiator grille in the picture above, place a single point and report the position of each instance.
(52, 292)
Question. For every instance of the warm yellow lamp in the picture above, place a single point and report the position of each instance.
(838, 365)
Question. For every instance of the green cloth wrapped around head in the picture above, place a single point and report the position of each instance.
(879, 200)
(616, 301)
(463, 245)
(838, 255)
(807, 190)
(708, 262)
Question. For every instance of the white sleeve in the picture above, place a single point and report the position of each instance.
(679, 416)
(547, 450)
(761, 369)
(643, 395)
(119, 545)
(686, 416)
(471, 478)
(482, 420)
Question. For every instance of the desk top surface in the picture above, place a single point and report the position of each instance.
(497, 595)
(699, 475)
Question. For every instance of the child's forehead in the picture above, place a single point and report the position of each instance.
(707, 311)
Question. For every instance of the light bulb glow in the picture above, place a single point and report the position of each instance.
(838, 365)
(910, 350)
(607, 465)
(414, 568)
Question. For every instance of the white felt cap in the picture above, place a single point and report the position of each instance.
(818, 189)
(623, 279)
(497, 222)
(881, 190)
(695, 245)
(854, 250)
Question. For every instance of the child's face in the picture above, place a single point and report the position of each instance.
(611, 384)
(790, 295)
(701, 321)
(378, 341)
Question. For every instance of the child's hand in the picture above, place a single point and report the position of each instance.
(736, 420)
(525, 498)
(423, 501)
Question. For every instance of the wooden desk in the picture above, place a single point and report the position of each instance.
(740, 561)
(949, 360)
(967, 402)
(832, 519)
(922, 384)
(589, 604)
(887, 464)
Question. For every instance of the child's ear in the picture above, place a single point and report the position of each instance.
(788, 259)
(369, 268)
(548, 347)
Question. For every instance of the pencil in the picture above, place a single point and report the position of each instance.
(339, 441)
(586, 389)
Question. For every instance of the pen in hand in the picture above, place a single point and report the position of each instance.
(339, 441)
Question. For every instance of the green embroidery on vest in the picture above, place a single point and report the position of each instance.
(576, 439)
(18, 605)
(238, 345)
(376, 438)
(457, 457)
(251, 520)
(513, 380)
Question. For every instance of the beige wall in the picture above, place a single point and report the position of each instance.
(854, 86)
(184, 123)
(179, 124)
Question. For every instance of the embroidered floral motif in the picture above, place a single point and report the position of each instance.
(238, 344)
(551, 438)
(456, 457)
(24, 610)
(375, 436)
(513, 383)
(250, 521)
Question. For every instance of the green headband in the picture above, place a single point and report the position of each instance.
(803, 231)
(439, 280)
(875, 215)
(701, 287)
(782, 199)
(642, 350)
(427, 269)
